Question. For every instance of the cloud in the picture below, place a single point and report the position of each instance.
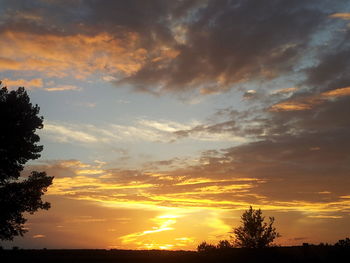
(227, 43)
(65, 133)
(308, 102)
(249, 94)
(141, 130)
(345, 16)
(178, 46)
(36, 84)
(63, 88)
(39, 236)
(285, 90)
(213, 183)
(164, 223)
(75, 55)
(29, 84)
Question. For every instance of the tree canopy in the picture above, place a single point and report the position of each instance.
(18, 144)
(254, 232)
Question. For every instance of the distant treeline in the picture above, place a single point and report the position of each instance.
(306, 253)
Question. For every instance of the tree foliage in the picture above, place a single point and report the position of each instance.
(254, 232)
(18, 144)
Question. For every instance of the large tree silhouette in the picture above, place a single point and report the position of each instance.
(19, 121)
(254, 232)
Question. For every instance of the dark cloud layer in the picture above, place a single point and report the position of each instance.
(202, 45)
(229, 42)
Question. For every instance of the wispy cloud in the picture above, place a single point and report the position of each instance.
(164, 223)
(62, 133)
(208, 186)
(142, 130)
(29, 84)
(345, 16)
(63, 88)
(39, 236)
(308, 102)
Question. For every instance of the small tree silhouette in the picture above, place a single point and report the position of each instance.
(254, 232)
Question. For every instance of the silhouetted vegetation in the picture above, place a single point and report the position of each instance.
(254, 232)
(18, 144)
(206, 247)
(343, 243)
(300, 254)
(224, 244)
(221, 245)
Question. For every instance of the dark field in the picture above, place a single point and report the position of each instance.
(278, 254)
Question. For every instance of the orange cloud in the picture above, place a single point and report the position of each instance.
(29, 84)
(310, 101)
(39, 236)
(112, 189)
(290, 106)
(164, 223)
(63, 88)
(9, 64)
(337, 93)
(76, 55)
(285, 90)
(345, 16)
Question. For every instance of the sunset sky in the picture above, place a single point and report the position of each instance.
(165, 120)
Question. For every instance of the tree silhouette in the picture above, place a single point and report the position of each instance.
(254, 232)
(19, 121)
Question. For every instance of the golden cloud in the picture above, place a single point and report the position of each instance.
(164, 223)
(29, 84)
(63, 88)
(290, 106)
(345, 16)
(114, 189)
(310, 101)
(39, 236)
(77, 55)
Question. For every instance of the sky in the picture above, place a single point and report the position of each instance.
(165, 120)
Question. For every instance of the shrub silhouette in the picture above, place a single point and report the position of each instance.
(205, 247)
(343, 243)
(224, 244)
(254, 232)
(19, 122)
